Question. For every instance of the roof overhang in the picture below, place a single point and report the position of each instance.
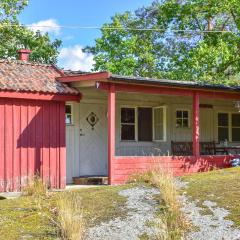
(39, 96)
(94, 79)
(85, 77)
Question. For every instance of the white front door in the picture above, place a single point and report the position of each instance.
(93, 140)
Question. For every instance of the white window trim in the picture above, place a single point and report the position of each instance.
(72, 123)
(135, 124)
(164, 124)
(229, 113)
(175, 117)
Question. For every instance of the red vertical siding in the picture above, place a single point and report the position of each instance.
(62, 150)
(2, 146)
(32, 141)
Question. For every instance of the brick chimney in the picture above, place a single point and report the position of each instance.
(23, 54)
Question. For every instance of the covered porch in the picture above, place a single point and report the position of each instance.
(182, 127)
(185, 154)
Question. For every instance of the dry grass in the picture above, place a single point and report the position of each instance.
(172, 223)
(35, 187)
(70, 216)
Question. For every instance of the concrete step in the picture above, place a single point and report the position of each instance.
(90, 180)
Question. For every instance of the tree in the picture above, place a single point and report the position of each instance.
(187, 40)
(15, 36)
(11, 8)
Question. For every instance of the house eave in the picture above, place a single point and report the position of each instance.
(39, 96)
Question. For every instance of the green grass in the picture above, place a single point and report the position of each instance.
(102, 204)
(220, 186)
(21, 218)
(29, 217)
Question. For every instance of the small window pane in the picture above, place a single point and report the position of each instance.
(127, 115)
(68, 114)
(222, 119)
(178, 122)
(222, 134)
(185, 123)
(179, 114)
(236, 134)
(185, 114)
(128, 132)
(236, 120)
(68, 109)
(68, 119)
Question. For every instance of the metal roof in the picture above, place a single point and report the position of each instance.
(176, 83)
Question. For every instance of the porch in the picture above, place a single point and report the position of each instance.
(134, 128)
(225, 127)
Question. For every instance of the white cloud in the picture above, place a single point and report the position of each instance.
(74, 58)
(49, 25)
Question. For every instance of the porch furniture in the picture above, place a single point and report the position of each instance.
(224, 150)
(182, 148)
(206, 148)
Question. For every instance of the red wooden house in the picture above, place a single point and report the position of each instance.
(121, 125)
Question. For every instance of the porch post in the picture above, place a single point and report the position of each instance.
(195, 135)
(111, 132)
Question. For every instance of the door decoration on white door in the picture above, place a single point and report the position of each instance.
(92, 119)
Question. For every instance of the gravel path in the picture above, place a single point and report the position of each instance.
(141, 208)
(211, 227)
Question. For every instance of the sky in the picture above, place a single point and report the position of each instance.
(55, 13)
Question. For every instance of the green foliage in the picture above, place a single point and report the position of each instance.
(209, 51)
(14, 36)
(9, 9)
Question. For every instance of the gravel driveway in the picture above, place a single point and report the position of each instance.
(141, 209)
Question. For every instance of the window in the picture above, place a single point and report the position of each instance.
(223, 126)
(143, 124)
(159, 124)
(182, 118)
(128, 124)
(235, 127)
(229, 127)
(68, 114)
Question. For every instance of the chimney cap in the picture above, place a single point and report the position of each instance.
(24, 54)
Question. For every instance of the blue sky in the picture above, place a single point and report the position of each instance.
(75, 12)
